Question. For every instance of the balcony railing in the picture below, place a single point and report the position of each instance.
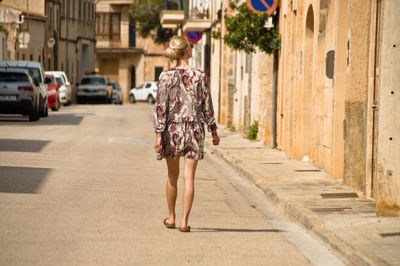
(173, 5)
(173, 13)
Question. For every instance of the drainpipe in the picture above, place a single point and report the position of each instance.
(375, 104)
(274, 87)
(274, 100)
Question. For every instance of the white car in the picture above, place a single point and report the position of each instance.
(65, 91)
(145, 92)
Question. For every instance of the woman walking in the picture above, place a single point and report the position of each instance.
(183, 106)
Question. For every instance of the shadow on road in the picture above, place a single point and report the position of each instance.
(237, 230)
(26, 180)
(56, 119)
(22, 145)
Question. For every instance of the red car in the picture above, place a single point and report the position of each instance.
(54, 102)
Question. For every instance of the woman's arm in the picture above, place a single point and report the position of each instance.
(161, 105)
(160, 110)
(208, 111)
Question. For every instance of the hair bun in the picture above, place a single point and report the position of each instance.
(177, 48)
(171, 53)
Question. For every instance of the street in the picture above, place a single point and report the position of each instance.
(83, 187)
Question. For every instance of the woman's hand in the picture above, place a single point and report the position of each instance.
(157, 144)
(215, 138)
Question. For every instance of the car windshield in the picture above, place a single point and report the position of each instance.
(140, 87)
(48, 81)
(60, 80)
(93, 81)
(13, 77)
(35, 74)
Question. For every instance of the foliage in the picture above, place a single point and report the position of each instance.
(246, 30)
(146, 13)
(216, 34)
(253, 131)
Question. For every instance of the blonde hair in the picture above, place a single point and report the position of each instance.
(177, 48)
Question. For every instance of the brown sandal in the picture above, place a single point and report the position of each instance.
(184, 229)
(169, 226)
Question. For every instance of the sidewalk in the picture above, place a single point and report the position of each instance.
(336, 214)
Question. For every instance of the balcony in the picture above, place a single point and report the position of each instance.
(196, 25)
(172, 14)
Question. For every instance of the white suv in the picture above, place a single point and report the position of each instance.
(94, 86)
(145, 92)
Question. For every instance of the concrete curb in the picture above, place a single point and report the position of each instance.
(306, 219)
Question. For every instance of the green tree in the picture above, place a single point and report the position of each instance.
(146, 13)
(246, 31)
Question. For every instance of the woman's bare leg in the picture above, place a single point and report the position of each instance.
(172, 189)
(188, 190)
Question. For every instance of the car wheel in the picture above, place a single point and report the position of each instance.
(41, 107)
(132, 98)
(150, 99)
(34, 114)
(57, 104)
(46, 109)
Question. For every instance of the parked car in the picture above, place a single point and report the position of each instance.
(145, 92)
(19, 93)
(65, 89)
(116, 92)
(53, 87)
(94, 86)
(36, 72)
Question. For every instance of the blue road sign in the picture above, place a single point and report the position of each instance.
(263, 6)
(193, 36)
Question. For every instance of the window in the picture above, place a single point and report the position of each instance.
(108, 26)
(57, 20)
(63, 8)
(60, 80)
(84, 10)
(51, 15)
(73, 9)
(13, 77)
(132, 35)
(93, 81)
(79, 8)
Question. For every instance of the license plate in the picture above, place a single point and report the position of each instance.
(8, 97)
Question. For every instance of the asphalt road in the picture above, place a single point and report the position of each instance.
(83, 187)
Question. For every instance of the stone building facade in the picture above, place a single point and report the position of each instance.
(121, 53)
(336, 90)
(242, 82)
(73, 29)
(22, 16)
(61, 34)
(334, 67)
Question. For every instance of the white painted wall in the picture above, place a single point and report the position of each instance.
(388, 168)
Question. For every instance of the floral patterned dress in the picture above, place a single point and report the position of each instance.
(183, 106)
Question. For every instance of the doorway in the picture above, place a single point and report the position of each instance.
(133, 77)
